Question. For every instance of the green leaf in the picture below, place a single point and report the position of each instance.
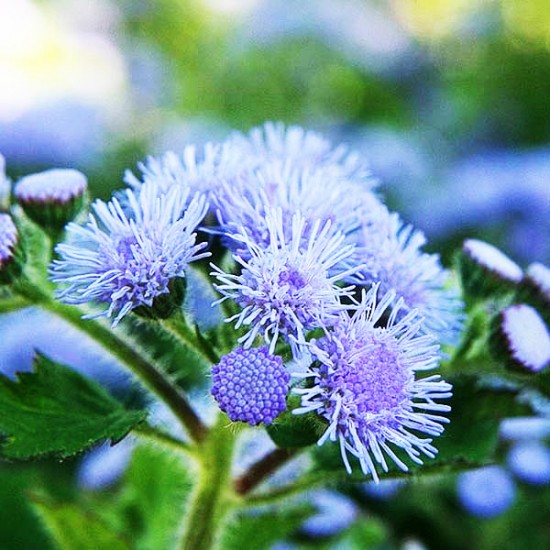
(54, 410)
(472, 434)
(153, 497)
(263, 530)
(73, 527)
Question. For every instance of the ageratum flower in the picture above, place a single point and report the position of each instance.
(126, 258)
(305, 150)
(363, 382)
(241, 203)
(285, 288)
(391, 252)
(250, 385)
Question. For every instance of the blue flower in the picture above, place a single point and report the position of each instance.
(285, 288)
(126, 256)
(251, 385)
(486, 492)
(241, 202)
(392, 254)
(363, 382)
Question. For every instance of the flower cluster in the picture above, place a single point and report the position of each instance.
(310, 265)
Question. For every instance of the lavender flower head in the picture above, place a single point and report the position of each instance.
(285, 289)
(127, 257)
(242, 202)
(251, 385)
(363, 382)
(391, 252)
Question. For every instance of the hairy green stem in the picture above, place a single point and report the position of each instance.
(152, 377)
(211, 501)
(146, 431)
(178, 326)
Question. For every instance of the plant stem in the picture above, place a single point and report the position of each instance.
(262, 469)
(147, 431)
(177, 325)
(154, 378)
(212, 498)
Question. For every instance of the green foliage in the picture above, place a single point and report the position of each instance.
(260, 531)
(54, 410)
(292, 431)
(72, 527)
(153, 496)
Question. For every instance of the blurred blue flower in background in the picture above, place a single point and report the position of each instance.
(486, 492)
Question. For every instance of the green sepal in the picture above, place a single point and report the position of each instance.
(167, 304)
(55, 410)
(71, 526)
(291, 430)
(479, 282)
(52, 215)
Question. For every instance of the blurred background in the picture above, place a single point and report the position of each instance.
(447, 99)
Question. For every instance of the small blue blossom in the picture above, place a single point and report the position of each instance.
(363, 382)
(126, 257)
(251, 385)
(530, 462)
(391, 252)
(285, 288)
(486, 492)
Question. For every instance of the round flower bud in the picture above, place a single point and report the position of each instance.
(534, 289)
(52, 198)
(485, 271)
(251, 385)
(11, 255)
(520, 338)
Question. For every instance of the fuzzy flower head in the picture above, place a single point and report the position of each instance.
(305, 150)
(242, 202)
(285, 288)
(128, 256)
(363, 382)
(391, 252)
(251, 385)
